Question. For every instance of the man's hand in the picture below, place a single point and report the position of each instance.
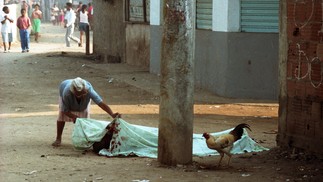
(107, 109)
(74, 119)
(116, 115)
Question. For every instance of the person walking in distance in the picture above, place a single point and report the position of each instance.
(25, 6)
(55, 13)
(6, 28)
(36, 21)
(77, 11)
(69, 25)
(90, 15)
(23, 23)
(84, 23)
(61, 17)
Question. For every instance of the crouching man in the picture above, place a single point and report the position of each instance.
(74, 102)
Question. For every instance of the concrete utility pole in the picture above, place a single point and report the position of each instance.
(177, 83)
(283, 59)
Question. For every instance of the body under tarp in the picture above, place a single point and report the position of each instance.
(129, 139)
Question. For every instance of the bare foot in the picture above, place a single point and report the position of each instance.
(57, 143)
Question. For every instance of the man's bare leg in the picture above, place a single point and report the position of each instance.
(4, 46)
(36, 36)
(60, 128)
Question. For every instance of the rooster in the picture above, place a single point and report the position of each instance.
(224, 143)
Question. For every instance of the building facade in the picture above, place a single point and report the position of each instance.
(236, 42)
(236, 47)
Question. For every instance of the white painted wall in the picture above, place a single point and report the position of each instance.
(156, 7)
(234, 16)
(226, 16)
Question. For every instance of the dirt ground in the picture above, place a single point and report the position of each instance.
(28, 110)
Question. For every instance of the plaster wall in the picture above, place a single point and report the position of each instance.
(137, 44)
(237, 65)
(109, 34)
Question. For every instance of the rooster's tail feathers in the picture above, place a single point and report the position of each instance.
(237, 132)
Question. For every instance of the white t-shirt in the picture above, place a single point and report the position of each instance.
(84, 17)
(70, 17)
(7, 26)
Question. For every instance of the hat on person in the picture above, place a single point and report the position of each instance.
(78, 84)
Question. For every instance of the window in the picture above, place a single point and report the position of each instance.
(137, 11)
(204, 14)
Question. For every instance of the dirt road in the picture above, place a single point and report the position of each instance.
(28, 110)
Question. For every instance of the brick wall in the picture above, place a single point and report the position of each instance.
(302, 124)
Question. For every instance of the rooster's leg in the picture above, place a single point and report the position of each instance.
(229, 155)
(219, 164)
(227, 152)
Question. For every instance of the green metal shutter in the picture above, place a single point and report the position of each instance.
(259, 15)
(204, 14)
